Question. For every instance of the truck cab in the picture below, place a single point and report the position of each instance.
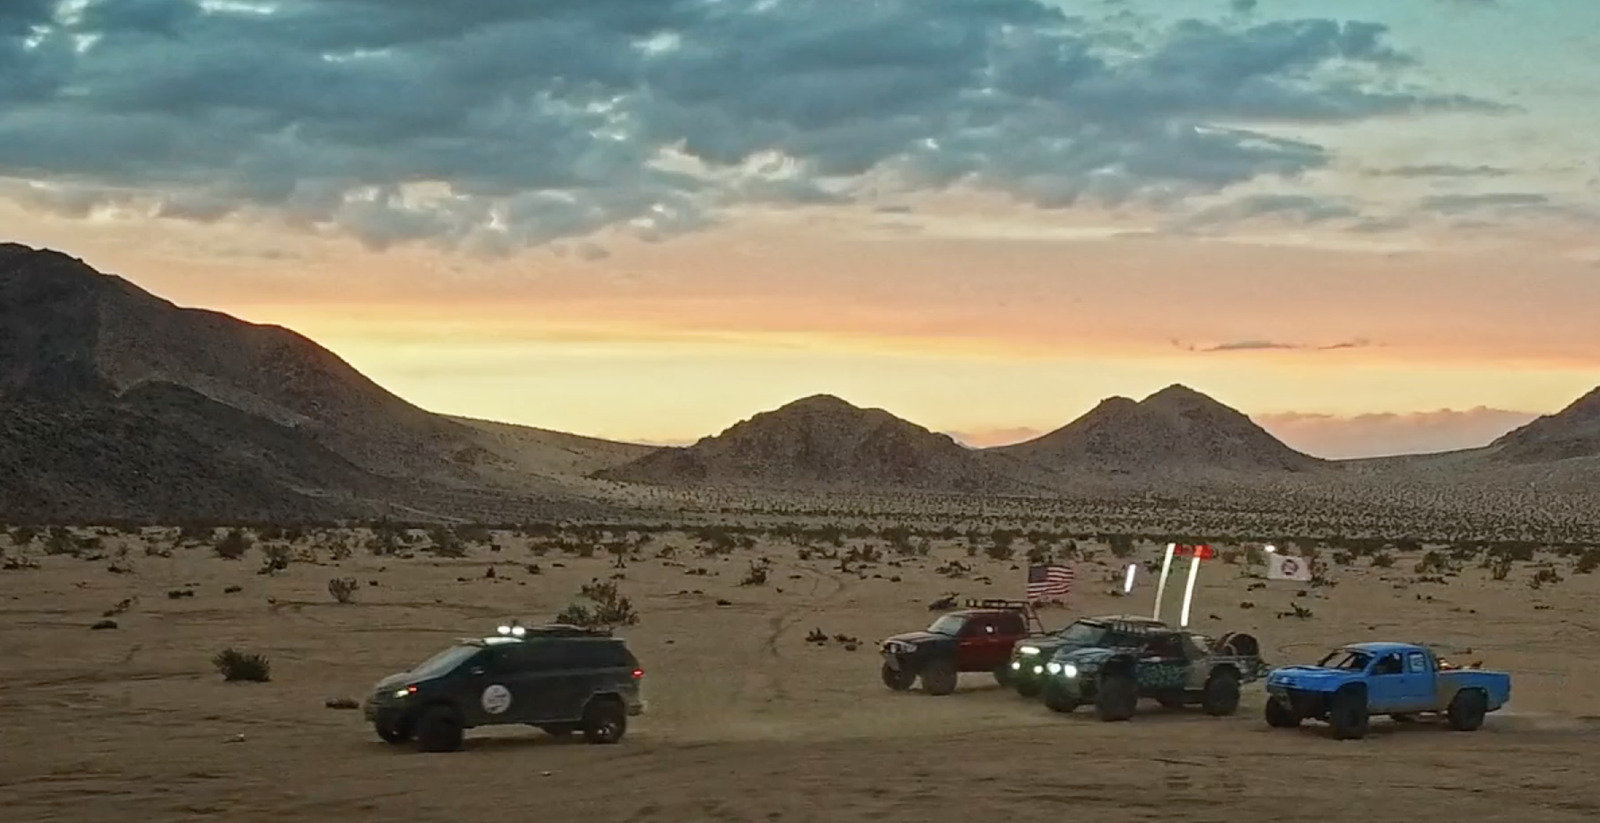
(1403, 680)
(975, 639)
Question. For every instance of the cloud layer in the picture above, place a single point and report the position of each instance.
(500, 124)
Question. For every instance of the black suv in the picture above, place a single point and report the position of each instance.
(555, 677)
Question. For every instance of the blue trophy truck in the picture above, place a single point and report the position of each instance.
(1402, 680)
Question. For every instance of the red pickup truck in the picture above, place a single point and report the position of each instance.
(978, 638)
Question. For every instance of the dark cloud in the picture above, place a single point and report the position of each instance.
(1442, 170)
(1299, 208)
(1482, 210)
(499, 124)
(1273, 345)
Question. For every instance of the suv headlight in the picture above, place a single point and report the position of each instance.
(1028, 650)
(1069, 670)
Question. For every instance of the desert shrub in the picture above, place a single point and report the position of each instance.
(444, 543)
(606, 608)
(1587, 562)
(275, 558)
(1543, 576)
(339, 548)
(1040, 554)
(1500, 568)
(756, 576)
(475, 533)
(236, 666)
(1382, 560)
(233, 545)
(343, 589)
(1343, 557)
(23, 535)
(59, 541)
(1121, 545)
(1433, 562)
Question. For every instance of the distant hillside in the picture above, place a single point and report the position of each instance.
(117, 403)
(1175, 429)
(820, 441)
(1573, 432)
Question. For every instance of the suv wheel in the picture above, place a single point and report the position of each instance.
(899, 679)
(1281, 715)
(439, 730)
(604, 721)
(939, 677)
(1221, 696)
(1118, 697)
(1348, 715)
(1466, 710)
(1057, 699)
(391, 732)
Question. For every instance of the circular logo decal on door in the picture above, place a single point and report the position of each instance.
(496, 699)
(1290, 566)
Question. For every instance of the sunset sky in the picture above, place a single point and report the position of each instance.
(1373, 225)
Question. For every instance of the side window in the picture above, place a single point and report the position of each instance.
(1389, 664)
(1013, 624)
(976, 627)
(1417, 663)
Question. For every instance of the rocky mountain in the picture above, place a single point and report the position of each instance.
(818, 442)
(1175, 429)
(1573, 432)
(115, 403)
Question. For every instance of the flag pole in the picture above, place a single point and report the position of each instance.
(1161, 585)
(1188, 590)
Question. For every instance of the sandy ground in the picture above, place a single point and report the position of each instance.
(747, 721)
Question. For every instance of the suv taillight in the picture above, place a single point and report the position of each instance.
(638, 673)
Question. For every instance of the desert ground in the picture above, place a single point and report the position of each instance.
(747, 721)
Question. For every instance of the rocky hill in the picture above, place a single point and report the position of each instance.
(1573, 432)
(118, 404)
(818, 442)
(1176, 429)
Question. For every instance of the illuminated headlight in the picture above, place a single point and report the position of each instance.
(401, 692)
(518, 631)
(1069, 670)
(1016, 665)
(1053, 667)
(1038, 670)
(1029, 650)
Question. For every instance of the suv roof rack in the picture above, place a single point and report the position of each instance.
(998, 603)
(515, 630)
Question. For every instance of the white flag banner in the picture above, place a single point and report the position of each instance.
(1284, 567)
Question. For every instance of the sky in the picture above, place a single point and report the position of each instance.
(1370, 225)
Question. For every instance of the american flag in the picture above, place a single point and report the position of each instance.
(1049, 581)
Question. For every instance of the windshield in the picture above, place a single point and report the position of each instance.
(1345, 659)
(950, 625)
(1082, 634)
(444, 661)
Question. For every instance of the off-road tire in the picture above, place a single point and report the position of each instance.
(439, 730)
(396, 734)
(939, 677)
(1056, 699)
(1348, 715)
(900, 679)
(1117, 698)
(1030, 686)
(1002, 675)
(1221, 695)
(1281, 716)
(605, 721)
(1466, 710)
